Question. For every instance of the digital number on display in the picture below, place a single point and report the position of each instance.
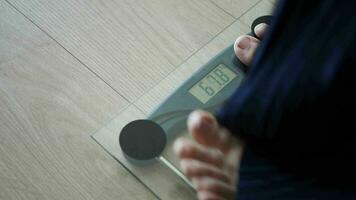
(212, 83)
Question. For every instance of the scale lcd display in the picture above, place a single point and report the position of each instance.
(212, 83)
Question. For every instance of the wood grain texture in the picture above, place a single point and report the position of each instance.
(131, 44)
(49, 106)
(50, 102)
(235, 7)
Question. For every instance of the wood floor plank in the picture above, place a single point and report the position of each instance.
(49, 106)
(235, 7)
(130, 44)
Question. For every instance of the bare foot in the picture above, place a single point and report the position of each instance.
(213, 159)
(245, 45)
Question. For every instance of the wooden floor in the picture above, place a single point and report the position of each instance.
(68, 67)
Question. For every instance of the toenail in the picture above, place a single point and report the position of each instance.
(260, 28)
(244, 43)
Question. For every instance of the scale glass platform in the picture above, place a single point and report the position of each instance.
(143, 145)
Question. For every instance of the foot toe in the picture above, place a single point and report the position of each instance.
(214, 186)
(245, 47)
(260, 30)
(186, 149)
(197, 169)
(206, 131)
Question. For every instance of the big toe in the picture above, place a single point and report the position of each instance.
(245, 48)
(205, 130)
(260, 30)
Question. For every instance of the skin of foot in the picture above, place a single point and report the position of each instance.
(245, 45)
(212, 159)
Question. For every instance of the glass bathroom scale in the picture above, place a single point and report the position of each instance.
(143, 144)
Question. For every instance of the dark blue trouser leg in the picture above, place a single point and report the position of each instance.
(260, 179)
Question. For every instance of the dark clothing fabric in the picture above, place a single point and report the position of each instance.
(296, 107)
(262, 179)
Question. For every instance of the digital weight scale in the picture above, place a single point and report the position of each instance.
(142, 141)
